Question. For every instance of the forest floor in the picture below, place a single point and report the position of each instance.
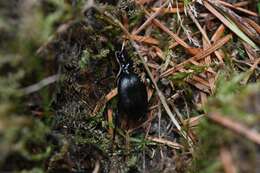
(200, 63)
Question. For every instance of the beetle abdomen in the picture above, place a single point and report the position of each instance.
(132, 97)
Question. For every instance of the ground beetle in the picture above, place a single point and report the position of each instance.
(132, 95)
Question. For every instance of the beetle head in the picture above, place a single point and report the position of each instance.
(122, 57)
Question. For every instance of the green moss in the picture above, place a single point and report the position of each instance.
(231, 99)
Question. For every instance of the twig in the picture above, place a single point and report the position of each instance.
(250, 71)
(110, 121)
(43, 83)
(144, 39)
(199, 56)
(151, 17)
(205, 36)
(165, 142)
(97, 167)
(170, 10)
(165, 29)
(217, 35)
(193, 121)
(103, 101)
(227, 161)
(235, 127)
(185, 38)
(172, 98)
(229, 23)
(239, 8)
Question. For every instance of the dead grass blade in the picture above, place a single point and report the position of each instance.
(143, 39)
(229, 23)
(199, 56)
(252, 54)
(170, 10)
(199, 86)
(171, 144)
(227, 161)
(205, 37)
(193, 121)
(103, 101)
(173, 45)
(250, 71)
(110, 121)
(254, 25)
(174, 36)
(208, 62)
(111, 94)
(238, 8)
(240, 22)
(150, 18)
(218, 34)
(241, 4)
(234, 126)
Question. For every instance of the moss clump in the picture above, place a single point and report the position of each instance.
(234, 101)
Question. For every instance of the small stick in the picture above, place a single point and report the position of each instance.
(110, 121)
(235, 127)
(199, 56)
(165, 142)
(43, 83)
(227, 161)
(239, 8)
(151, 17)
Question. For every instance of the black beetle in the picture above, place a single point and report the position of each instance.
(132, 95)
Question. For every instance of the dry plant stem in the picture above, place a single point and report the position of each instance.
(198, 26)
(203, 34)
(43, 83)
(61, 29)
(103, 101)
(170, 10)
(219, 32)
(193, 121)
(254, 25)
(239, 8)
(226, 22)
(251, 53)
(240, 22)
(162, 98)
(245, 63)
(165, 142)
(241, 4)
(97, 167)
(209, 69)
(165, 29)
(173, 97)
(235, 127)
(110, 121)
(111, 94)
(250, 71)
(208, 62)
(159, 119)
(199, 56)
(227, 161)
(143, 39)
(151, 17)
(173, 45)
